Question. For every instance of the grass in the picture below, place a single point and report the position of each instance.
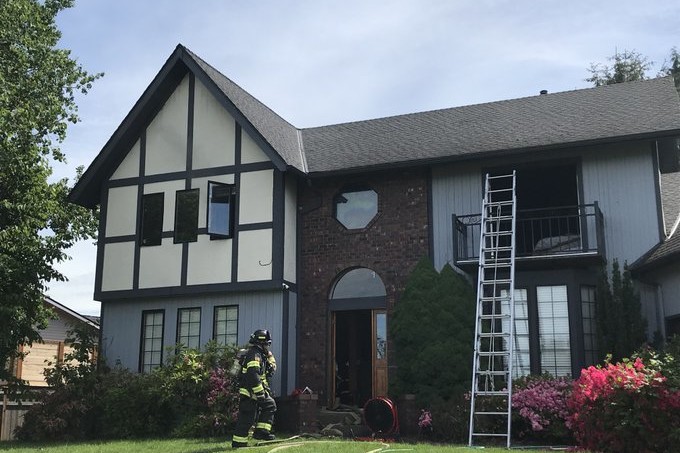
(221, 445)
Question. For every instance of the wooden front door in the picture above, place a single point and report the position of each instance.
(379, 347)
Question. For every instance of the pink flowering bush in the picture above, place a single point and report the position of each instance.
(222, 399)
(625, 407)
(539, 406)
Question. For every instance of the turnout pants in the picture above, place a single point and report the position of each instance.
(248, 413)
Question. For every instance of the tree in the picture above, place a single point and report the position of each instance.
(628, 66)
(38, 85)
(672, 67)
(620, 325)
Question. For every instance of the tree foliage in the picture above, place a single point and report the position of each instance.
(630, 65)
(433, 331)
(38, 85)
(621, 328)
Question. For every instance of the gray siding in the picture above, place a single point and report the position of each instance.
(122, 321)
(622, 180)
(456, 189)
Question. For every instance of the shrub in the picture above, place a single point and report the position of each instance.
(539, 406)
(433, 324)
(625, 407)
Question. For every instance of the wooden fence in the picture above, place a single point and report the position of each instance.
(12, 415)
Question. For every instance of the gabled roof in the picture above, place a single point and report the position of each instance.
(278, 139)
(635, 110)
(63, 308)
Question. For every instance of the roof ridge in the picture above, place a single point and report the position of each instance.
(489, 103)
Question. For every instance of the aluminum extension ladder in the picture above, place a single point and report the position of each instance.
(491, 396)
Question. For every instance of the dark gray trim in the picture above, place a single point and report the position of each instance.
(119, 239)
(358, 303)
(140, 195)
(99, 267)
(285, 321)
(278, 220)
(198, 173)
(145, 109)
(657, 191)
(256, 226)
(141, 337)
(237, 204)
(169, 291)
(187, 182)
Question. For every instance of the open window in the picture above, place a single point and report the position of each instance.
(186, 216)
(220, 210)
(152, 219)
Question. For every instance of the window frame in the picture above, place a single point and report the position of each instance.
(143, 338)
(541, 320)
(217, 336)
(356, 189)
(155, 237)
(181, 217)
(180, 325)
(590, 355)
(230, 208)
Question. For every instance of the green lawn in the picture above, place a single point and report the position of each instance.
(219, 445)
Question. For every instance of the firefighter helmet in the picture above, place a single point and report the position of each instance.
(261, 337)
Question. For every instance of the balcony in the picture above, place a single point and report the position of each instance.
(541, 235)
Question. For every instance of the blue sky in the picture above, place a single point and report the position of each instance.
(319, 62)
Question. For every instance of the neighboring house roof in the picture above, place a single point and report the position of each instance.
(63, 308)
(625, 111)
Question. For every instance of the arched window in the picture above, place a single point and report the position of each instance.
(359, 288)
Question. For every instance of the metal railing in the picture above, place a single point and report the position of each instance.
(563, 230)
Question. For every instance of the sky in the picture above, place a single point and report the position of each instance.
(318, 62)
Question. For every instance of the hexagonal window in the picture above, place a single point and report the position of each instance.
(356, 208)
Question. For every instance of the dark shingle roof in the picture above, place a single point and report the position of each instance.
(279, 133)
(663, 253)
(574, 117)
(648, 109)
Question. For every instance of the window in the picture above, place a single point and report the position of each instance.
(186, 216)
(152, 340)
(189, 327)
(553, 330)
(521, 365)
(226, 325)
(355, 209)
(152, 219)
(589, 324)
(220, 209)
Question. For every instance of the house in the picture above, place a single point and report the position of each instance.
(30, 368)
(219, 217)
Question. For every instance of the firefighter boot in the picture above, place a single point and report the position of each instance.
(261, 434)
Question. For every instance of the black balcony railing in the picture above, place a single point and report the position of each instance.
(559, 231)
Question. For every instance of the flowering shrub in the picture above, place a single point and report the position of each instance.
(424, 422)
(222, 399)
(539, 406)
(624, 407)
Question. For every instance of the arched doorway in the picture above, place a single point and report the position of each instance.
(358, 338)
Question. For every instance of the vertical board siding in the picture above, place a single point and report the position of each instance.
(455, 190)
(121, 332)
(622, 180)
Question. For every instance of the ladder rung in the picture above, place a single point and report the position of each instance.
(504, 281)
(491, 413)
(494, 353)
(490, 393)
(497, 316)
(494, 335)
(491, 373)
(490, 434)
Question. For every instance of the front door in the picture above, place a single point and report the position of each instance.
(358, 338)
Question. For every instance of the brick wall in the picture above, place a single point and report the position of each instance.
(391, 245)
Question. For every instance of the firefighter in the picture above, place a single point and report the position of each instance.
(257, 367)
